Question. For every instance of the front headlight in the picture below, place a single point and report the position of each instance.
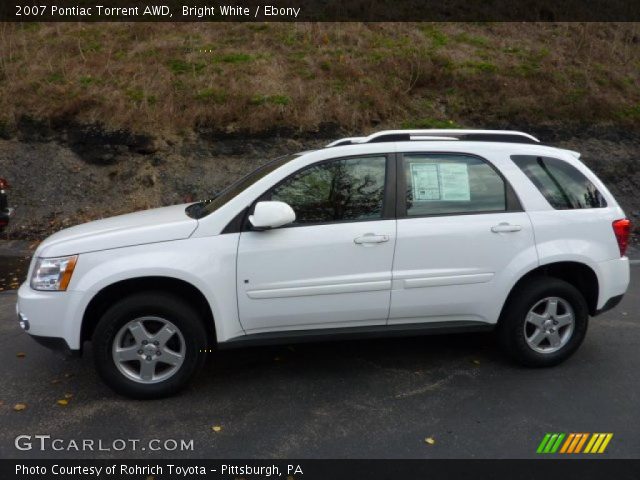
(53, 274)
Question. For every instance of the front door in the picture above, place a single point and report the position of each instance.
(332, 267)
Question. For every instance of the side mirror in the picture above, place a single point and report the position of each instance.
(271, 215)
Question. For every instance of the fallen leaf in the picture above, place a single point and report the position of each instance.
(216, 428)
(18, 407)
(63, 402)
(21, 354)
(430, 441)
(54, 381)
(68, 395)
(476, 362)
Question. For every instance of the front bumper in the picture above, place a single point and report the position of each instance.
(56, 344)
(50, 317)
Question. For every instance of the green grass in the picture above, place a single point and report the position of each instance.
(270, 99)
(478, 66)
(233, 58)
(212, 95)
(476, 41)
(437, 37)
(55, 77)
(424, 123)
(352, 76)
(631, 112)
(139, 96)
(179, 67)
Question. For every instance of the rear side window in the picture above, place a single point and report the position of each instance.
(562, 184)
(448, 184)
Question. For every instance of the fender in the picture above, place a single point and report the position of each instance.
(207, 263)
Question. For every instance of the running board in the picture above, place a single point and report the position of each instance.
(355, 333)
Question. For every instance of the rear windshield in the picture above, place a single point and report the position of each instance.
(564, 186)
(204, 208)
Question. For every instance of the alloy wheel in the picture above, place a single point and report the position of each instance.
(149, 349)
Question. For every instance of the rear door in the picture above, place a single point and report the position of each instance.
(462, 236)
(332, 267)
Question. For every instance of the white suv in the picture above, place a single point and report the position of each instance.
(403, 232)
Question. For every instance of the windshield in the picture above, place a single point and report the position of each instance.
(204, 208)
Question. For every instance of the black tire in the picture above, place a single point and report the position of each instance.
(511, 327)
(158, 304)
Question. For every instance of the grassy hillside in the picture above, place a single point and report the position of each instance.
(180, 78)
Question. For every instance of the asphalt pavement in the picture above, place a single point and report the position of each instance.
(432, 397)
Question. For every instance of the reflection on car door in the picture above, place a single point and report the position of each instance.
(332, 268)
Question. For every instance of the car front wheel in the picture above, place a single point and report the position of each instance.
(149, 345)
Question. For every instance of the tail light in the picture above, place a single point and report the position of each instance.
(622, 229)
(3, 184)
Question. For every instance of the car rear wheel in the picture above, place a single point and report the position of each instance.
(149, 345)
(544, 322)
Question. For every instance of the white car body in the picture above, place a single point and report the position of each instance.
(443, 270)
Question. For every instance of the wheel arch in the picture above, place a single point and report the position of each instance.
(578, 274)
(105, 297)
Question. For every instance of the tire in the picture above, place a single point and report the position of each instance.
(523, 322)
(149, 370)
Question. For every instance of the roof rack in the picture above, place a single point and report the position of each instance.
(508, 136)
(345, 141)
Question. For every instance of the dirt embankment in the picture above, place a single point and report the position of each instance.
(61, 178)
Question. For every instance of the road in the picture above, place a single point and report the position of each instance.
(364, 399)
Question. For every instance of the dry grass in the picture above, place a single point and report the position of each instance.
(181, 78)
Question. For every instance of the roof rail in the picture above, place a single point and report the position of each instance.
(345, 141)
(508, 136)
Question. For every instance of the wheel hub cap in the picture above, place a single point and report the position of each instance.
(149, 349)
(549, 325)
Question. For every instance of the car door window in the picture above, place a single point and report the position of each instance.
(445, 184)
(348, 189)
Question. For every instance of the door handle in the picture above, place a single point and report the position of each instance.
(369, 238)
(505, 228)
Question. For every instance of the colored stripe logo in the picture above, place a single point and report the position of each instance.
(574, 443)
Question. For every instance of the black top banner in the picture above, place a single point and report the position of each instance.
(319, 10)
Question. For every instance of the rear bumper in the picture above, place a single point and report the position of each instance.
(609, 304)
(613, 280)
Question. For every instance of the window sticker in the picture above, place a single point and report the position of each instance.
(454, 182)
(425, 180)
(440, 181)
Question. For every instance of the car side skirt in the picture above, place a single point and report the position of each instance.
(355, 333)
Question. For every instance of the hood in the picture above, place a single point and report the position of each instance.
(148, 226)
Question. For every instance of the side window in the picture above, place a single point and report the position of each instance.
(339, 190)
(562, 184)
(440, 184)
